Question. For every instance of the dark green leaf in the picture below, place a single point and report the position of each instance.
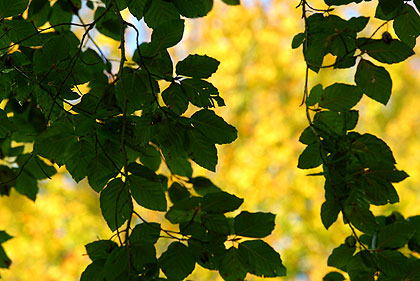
(333, 276)
(5, 261)
(201, 93)
(374, 81)
(203, 152)
(80, 156)
(340, 2)
(341, 256)
(197, 66)
(231, 268)
(340, 97)
(9, 9)
(308, 137)
(192, 8)
(94, 272)
(390, 52)
(116, 204)
(167, 34)
(178, 192)
(361, 217)
(392, 263)
(136, 7)
(100, 249)
(149, 194)
(216, 223)
(158, 12)
(116, 265)
(232, 2)
(4, 236)
(315, 95)
(329, 212)
(109, 24)
(213, 127)
(395, 235)
(177, 261)
(310, 157)
(145, 233)
(27, 185)
(260, 259)
(184, 210)
(142, 171)
(144, 257)
(204, 186)
(298, 40)
(220, 202)
(175, 98)
(256, 225)
(407, 25)
(389, 6)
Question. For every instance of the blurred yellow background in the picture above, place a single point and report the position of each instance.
(261, 79)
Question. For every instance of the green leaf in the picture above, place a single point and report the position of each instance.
(374, 81)
(27, 185)
(220, 202)
(116, 265)
(5, 261)
(175, 98)
(310, 157)
(361, 217)
(407, 25)
(389, 6)
(193, 8)
(203, 152)
(158, 12)
(9, 9)
(35, 166)
(177, 262)
(116, 204)
(392, 263)
(80, 156)
(55, 142)
(178, 192)
(329, 212)
(231, 268)
(136, 7)
(99, 250)
(298, 40)
(168, 34)
(149, 194)
(5, 126)
(201, 93)
(109, 24)
(94, 272)
(387, 52)
(232, 2)
(203, 186)
(255, 225)
(142, 171)
(185, 210)
(100, 171)
(340, 2)
(340, 97)
(216, 223)
(308, 137)
(341, 256)
(197, 66)
(315, 95)
(333, 276)
(260, 259)
(395, 235)
(213, 127)
(145, 233)
(144, 257)
(4, 236)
